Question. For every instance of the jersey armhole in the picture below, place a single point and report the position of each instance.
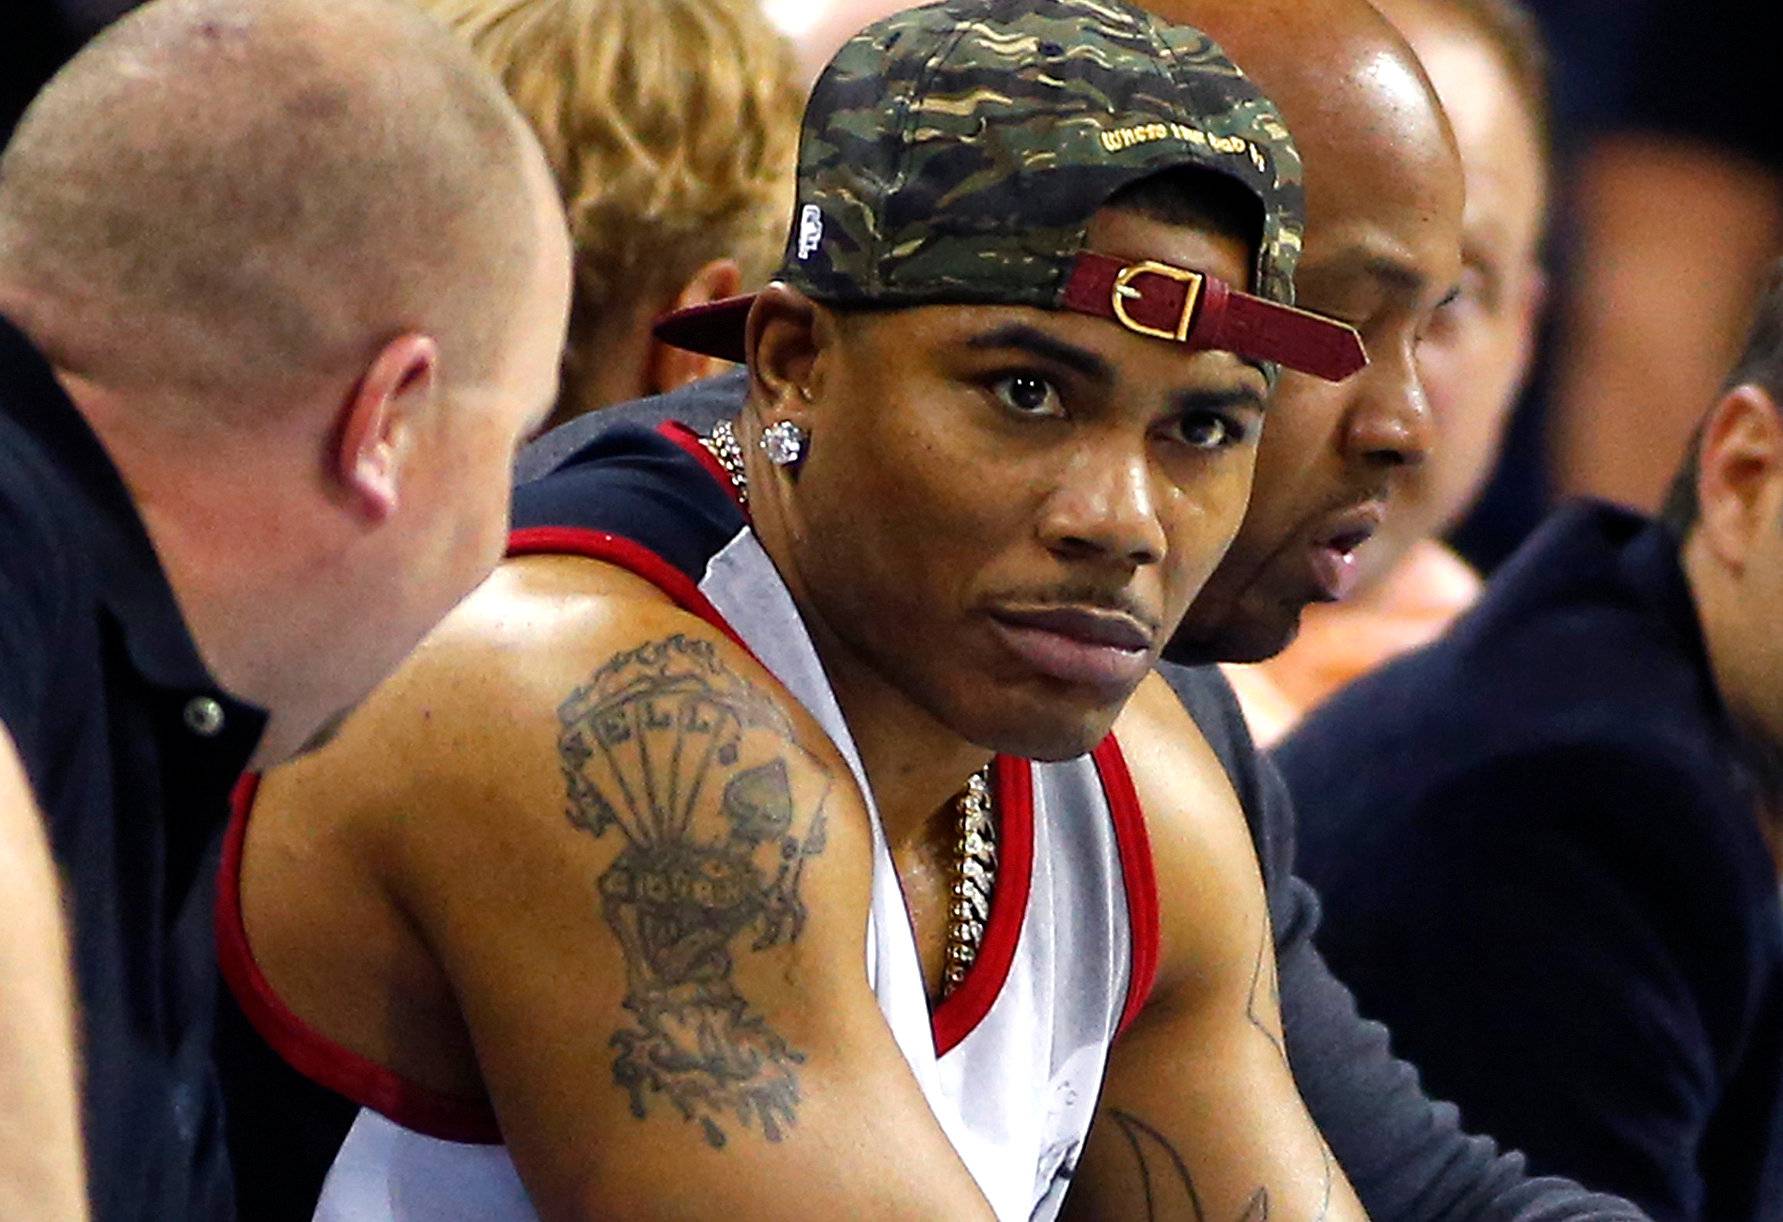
(306, 1050)
(1137, 876)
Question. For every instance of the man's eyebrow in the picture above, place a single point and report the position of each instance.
(1038, 342)
(1395, 274)
(1215, 398)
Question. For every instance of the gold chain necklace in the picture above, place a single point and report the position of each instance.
(975, 873)
(975, 844)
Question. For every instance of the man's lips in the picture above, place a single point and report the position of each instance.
(1334, 548)
(1109, 650)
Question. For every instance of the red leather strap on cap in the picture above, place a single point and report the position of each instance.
(1204, 311)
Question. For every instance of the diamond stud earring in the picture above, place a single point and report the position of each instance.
(784, 443)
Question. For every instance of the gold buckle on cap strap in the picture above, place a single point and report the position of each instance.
(1124, 290)
(1194, 308)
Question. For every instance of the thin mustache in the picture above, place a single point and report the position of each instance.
(1085, 597)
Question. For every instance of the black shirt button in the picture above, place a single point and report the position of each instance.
(204, 716)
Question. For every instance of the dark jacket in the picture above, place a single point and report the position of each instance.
(1542, 867)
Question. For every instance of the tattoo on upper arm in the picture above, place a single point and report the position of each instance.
(1266, 985)
(697, 769)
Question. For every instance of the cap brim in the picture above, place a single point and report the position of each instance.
(713, 329)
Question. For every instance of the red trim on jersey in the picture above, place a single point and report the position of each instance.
(689, 440)
(1137, 874)
(965, 1007)
(627, 554)
(310, 1053)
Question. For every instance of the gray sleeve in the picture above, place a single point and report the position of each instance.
(1406, 1155)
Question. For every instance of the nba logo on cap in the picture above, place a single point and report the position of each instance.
(810, 230)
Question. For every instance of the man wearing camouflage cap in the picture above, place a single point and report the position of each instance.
(577, 907)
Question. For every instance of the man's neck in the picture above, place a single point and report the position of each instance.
(221, 541)
(915, 764)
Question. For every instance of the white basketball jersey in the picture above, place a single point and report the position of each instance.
(1011, 1063)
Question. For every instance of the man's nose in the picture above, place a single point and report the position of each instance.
(1106, 506)
(1388, 421)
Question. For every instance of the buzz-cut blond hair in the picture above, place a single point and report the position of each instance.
(222, 193)
(671, 127)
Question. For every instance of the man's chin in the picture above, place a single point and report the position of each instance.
(1047, 739)
(1243, 636)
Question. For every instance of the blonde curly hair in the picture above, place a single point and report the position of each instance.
(671, 127)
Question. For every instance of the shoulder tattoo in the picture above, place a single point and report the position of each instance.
(701, 773)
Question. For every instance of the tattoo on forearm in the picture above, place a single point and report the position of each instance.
(1164, 1177)
(697, 769)
(1168, 1188)
(1266, 991)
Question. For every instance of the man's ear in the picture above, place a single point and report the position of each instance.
(668, 368)
(786, 333)
(374, 425)
(1739, 480)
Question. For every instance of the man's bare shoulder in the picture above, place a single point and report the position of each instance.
(470, 704)
(475, 726)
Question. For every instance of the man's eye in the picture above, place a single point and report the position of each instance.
(1028, 395)
(1211, 431)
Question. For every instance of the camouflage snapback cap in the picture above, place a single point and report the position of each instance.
(956, 152)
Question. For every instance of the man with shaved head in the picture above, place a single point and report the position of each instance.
(281, 286)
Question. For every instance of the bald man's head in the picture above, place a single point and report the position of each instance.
(1346, 82)
(222, 198)
(1382, 250)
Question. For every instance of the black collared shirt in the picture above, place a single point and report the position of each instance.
(131, 749)
(1539, 848)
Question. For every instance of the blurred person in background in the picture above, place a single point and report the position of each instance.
(1668, 159)
(1549, 844)
(1677, 208)
(671, 127)
(275, 278)
(1486, 60)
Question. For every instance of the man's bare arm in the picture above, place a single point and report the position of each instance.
(1200, 1118)
(42, 1168)
(644, 874)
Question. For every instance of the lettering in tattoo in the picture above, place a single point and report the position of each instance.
(1265, 983)
(697, 770)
